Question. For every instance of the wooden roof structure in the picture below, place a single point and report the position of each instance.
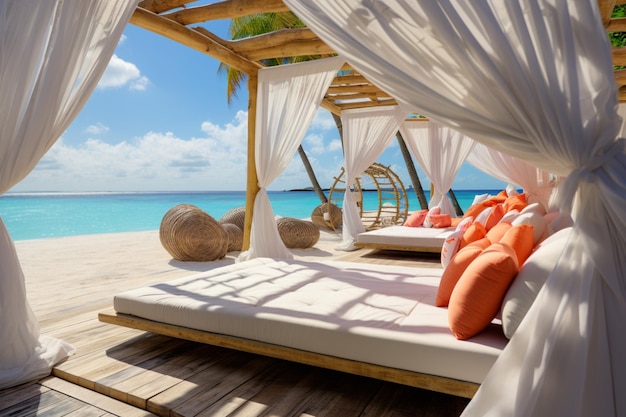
(185, 21)
(188, 21)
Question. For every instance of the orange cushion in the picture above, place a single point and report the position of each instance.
(497, 231)
(477, 296)
(416, 219)
(474, 232)
(455, 268)
(441, 220)
(515, 202)
(521, 239)
(495, 216)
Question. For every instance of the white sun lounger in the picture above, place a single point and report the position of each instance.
(404, 238)
(374, 320)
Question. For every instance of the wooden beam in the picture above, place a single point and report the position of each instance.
(619, 56)
(191, 38)
(620, 77)
(362, 104)
(616, 25)
(606, 10)
(159, 6)
(252, 182)
(349, 79)
(343, 89)
(282, 43)
(226, 9)
(331, 107)
(299, 48)
(268, 40)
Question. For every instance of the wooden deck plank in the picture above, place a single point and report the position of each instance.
(107, 405)
(255, 396)
(15, 395)
(225, 379)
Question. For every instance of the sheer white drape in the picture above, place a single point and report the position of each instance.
(366, 134)
(440, 151)
(287, 98)
(535, 182)
(622, 112)
(533, 79)
(52, 54)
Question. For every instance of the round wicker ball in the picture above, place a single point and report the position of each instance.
(296, 233)
(235, 216)
(334, 214)
(235, 236)
(188, 233)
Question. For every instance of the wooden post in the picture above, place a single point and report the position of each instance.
(252, 184)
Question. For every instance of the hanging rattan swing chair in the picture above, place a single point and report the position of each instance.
(380, 195)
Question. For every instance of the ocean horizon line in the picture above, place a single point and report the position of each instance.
(305, 189)
(40, 215)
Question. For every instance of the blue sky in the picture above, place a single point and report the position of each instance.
(159, 121)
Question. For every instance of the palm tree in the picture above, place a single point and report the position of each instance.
(244, 27)
(410, 166)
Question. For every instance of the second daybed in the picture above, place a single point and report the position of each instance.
(374, 320)
(404, 238)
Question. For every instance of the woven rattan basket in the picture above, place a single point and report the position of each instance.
(333, 218)
(296, 233)
(188, 233)
(235, 236)
(235, 216)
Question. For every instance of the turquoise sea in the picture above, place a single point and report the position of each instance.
(45, 215)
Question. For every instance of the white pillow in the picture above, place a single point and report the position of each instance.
(562, 221)
(529, 280)
(451, 245)
(534, 219)
(536, 207)
(509, 216)
(483, 215)
(427, 221)
(511, 190)
(479, 198)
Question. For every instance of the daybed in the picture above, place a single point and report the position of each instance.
(404, 238)
(374, 320)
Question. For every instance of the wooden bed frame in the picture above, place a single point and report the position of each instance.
(390, 246)
(415, 379)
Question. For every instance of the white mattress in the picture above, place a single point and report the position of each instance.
(426, 237)
(378, 314)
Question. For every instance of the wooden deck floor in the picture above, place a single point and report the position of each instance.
(125, 372)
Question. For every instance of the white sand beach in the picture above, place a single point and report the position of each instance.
(126, 260)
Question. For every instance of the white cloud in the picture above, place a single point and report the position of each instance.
(314, 144)
(97, 129)
(155, 161)
(323, 120)
(120, 73)
(335, 145)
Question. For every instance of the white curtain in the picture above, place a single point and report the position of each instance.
(532, 78)
(536, 183)
(440, 151)
(366, 134)
(287, 98)
(622, 112)
(52, 54)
